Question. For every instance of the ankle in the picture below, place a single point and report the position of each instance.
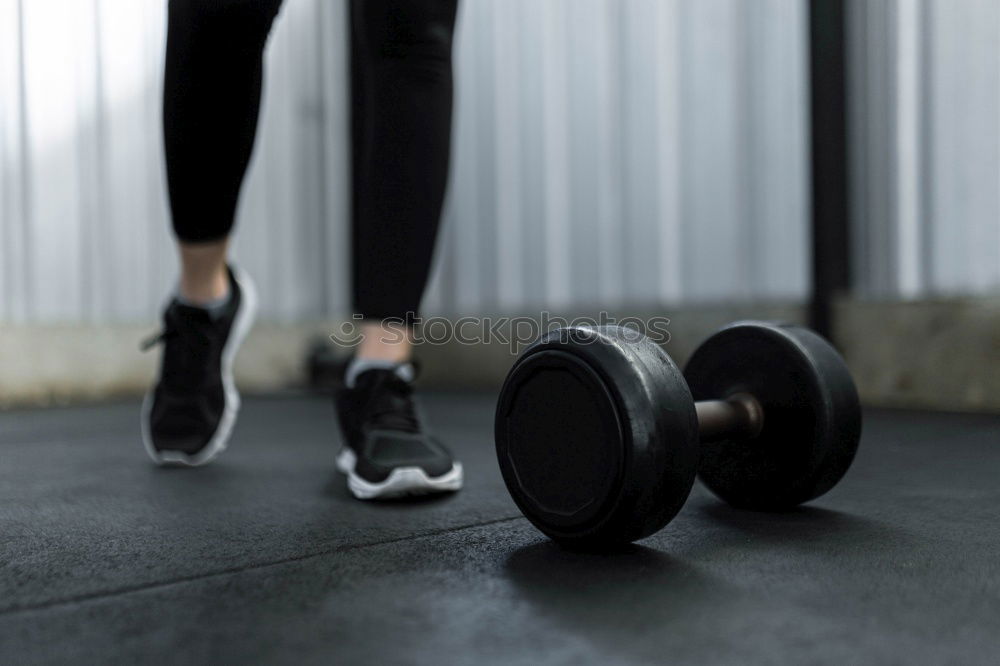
(205, 289)
(384, 343)
(204, 274)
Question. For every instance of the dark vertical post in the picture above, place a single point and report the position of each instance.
(357, 93)
(830, 223)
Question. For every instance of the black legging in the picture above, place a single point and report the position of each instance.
(402, 90)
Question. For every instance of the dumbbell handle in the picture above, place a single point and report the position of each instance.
(738, 417)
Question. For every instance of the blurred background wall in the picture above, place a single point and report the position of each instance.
(925, 115)
(85, 218)
(606, 151)
(640, 155)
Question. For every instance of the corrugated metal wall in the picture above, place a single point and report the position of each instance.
(84, 232)
(606, 152)
(644, 152)
(925, 118)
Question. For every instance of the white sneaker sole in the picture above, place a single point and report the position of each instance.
(241, 327)
(401, 482)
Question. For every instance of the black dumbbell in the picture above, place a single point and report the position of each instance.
(599, 435)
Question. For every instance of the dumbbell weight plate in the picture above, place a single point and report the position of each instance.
(596, 435)
(812, 419)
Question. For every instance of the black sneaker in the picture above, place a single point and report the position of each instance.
(188, 415)
(387, 453)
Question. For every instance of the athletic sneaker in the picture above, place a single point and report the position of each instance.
(386, 452)
(188, 415)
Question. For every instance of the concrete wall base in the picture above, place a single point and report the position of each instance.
(942, 354)
(42, 365)
(929, 354)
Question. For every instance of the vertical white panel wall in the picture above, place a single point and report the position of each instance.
(84, 222)
(647, 152)
(925, 137)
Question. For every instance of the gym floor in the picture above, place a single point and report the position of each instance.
(263, 556)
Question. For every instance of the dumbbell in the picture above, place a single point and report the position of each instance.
(599, 435)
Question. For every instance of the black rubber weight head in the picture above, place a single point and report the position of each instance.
(812, 419)
(596, 436)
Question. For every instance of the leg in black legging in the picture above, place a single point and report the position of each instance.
(402, 104)
(211, 100)
(402, 143)
(211, 97)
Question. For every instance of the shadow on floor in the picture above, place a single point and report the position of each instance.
(638, 591)
(804, 528)
(602, 597)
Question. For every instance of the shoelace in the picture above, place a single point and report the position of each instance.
(156, 339)
(391, 406)
(187, 345)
